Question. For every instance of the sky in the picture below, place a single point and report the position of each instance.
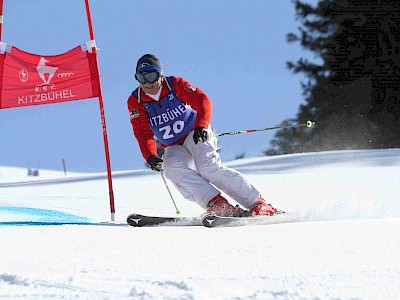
(345, 246)
(236, 52)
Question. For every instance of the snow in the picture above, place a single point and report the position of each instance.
(345, 247)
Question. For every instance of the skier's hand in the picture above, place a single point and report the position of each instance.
(200, 135)
(155, 163)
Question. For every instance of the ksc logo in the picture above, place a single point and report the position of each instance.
(46, 73)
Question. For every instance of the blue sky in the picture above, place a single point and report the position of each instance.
(235, 51)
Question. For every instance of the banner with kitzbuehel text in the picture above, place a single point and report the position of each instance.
(29, 79)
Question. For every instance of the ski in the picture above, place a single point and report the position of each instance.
(212, 221)
(138, 220)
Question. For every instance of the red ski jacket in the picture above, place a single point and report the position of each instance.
(186, 92)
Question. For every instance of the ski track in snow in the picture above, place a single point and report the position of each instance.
(346, 246)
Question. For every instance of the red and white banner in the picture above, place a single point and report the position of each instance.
(28, 79)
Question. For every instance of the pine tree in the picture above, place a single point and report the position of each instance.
(353, 90)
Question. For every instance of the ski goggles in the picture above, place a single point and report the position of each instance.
(150, 77)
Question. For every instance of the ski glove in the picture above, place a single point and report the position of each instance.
(200, 135)
(155, 163)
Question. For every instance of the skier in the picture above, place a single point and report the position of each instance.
(178, 114)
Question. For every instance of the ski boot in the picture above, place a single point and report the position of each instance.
(261, 208)
(219, 206)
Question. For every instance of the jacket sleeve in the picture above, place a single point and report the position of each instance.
(141, 128)
(196, 98)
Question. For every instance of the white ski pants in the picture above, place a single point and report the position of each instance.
(196, 171)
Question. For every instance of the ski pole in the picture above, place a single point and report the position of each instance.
(308, 124)
(169, 191)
